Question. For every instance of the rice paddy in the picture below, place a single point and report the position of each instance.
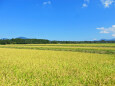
(57, 65)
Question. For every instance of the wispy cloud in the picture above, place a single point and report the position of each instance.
(107, 3)
(108, 30)
(85, 4)
(95, 39)
(47, 3)
(113, 35)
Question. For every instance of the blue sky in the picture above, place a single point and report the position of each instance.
(58, 19)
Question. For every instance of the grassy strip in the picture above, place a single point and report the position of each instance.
(65, 49)
(74, 45)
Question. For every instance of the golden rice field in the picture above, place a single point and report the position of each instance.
(57, 65)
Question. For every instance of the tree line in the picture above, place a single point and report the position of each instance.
(45, 41)
(24, 41)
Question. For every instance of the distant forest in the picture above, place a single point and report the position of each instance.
(44, 41)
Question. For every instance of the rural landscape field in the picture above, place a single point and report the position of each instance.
(57, 42)
(57, 65)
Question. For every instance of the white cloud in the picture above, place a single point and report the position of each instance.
(108, 30)
(113, 25)
(113, 35)
(47, 3)
(95, 39)
(84, 5)
(107, 3)
(104, 31)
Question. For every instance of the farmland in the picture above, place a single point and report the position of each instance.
(57, 65)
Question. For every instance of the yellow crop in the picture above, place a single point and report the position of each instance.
(28, 67)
